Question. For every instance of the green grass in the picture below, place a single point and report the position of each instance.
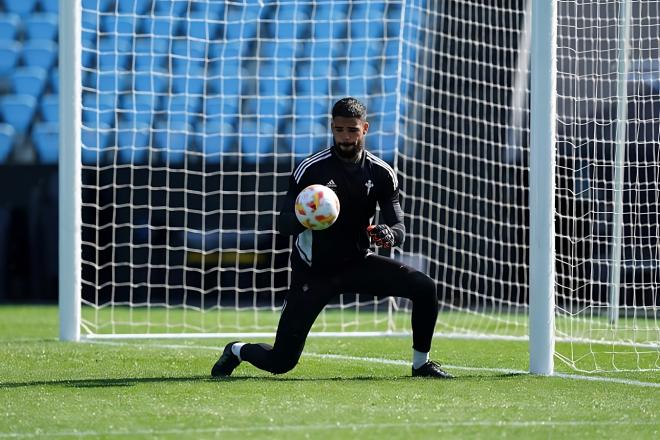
(147, 389)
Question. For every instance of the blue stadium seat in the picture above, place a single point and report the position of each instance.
(216, 139)
(138, 109)
(241, 21)
(9, 25)
(309, 107)
(95, 139)
(88, 58)
(268, 109)
(364, 49)
(45, 139)
(150, 82)
(256, 141)
(191, 84)
(181, 108)
(380, 105)
(99, 108)
(18, 111)
(306, 135)
(173, 140)
(20, 7)
(357, 87)
(162, 26)
(138, 7)
(221, 50)
(371, 29)
(41, 26)
(133, 142)
(328, 22)
(186, 55)
(49, 108)
(202, 27)
(150, 54)
(392, 28)
(173, 8)
(89, 21)
(119, 24)
(39, 53)
(313, 78)
(50, 6)
(288, 23)
(114, 53)
(280, 50)
(275, 78)
(218, 106)
(96, 5)
(213, 10)
(383, 145)
(29, 81)
(326, 51)
(54, 80)
(9, 51)
(225, 78)
(7, 133)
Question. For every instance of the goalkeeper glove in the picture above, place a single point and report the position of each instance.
(381, 235)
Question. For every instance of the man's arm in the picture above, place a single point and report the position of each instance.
(287, 222)
(392, 214)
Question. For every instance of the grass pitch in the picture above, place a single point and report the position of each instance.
(353, 387)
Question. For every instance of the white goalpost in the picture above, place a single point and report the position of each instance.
(523, 134)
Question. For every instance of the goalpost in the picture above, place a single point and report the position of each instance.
(524, 136)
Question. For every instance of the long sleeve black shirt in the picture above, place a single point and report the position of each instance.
(359, 187)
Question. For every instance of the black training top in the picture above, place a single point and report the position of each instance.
(359, 186)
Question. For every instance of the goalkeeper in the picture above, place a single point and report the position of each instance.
(338, 259)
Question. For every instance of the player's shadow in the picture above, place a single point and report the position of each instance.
(132, 381)
(100, 383)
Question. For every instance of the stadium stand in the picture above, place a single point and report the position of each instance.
(49, 108)
(195, 72)
(6, 141)
(132, 142)
(29, 81)
(41, 26)
(22, 8)
(18, 111)
(9, 25)
(39, 53)
(9, 51)
(45, 136)
(50, 6)
(95, 139)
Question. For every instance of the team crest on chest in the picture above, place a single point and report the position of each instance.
(369, 185)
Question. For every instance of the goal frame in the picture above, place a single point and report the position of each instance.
(543, 120)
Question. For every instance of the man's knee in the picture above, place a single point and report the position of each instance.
(423, 285)
(284, 364)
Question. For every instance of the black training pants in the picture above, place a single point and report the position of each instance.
(310, 292)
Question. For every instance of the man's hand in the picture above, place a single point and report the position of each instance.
(381, 235)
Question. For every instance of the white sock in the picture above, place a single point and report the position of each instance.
(419, 358)
(236, 349)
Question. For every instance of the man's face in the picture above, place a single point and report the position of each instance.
(349, 135)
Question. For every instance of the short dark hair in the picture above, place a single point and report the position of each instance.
(349, 107)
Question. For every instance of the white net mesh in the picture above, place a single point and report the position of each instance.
(196, 112)
(194, 115)
(608, 241)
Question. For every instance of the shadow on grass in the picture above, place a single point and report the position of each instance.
(129, 382)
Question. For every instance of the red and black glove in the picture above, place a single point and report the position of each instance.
(381, 235)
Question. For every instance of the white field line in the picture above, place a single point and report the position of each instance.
(400, 362)
(404, 425)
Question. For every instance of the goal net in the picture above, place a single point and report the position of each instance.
(194, 114)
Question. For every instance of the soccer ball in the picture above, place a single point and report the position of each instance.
(317, 207)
